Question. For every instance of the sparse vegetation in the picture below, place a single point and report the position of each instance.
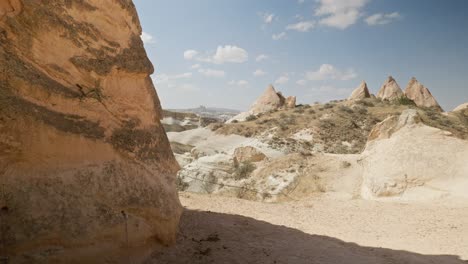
(251, 118)
(403, 100)
(243, 170)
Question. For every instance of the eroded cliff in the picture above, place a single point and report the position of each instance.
(83, 154)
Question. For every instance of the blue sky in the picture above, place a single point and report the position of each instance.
(224, 53)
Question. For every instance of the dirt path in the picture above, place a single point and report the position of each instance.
(319, 230)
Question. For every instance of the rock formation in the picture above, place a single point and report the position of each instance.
(291, 102)
(420, 95)
(247, 154)
(461, 107)
(270, 100)
(361, 92)
(405, 158)
(83, 155)
(390, 90)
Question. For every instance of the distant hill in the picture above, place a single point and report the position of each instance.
(212, 112)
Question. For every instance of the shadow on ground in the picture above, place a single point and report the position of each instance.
(207, 237)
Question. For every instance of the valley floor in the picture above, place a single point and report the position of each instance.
(218, 229)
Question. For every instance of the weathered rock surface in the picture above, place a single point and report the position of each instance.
(390, 90)
(461, 107)
(83, 154)
(270, 100)
(248, 154)
(420, 95)
(416, 162)
(291, 102)
(361, 92)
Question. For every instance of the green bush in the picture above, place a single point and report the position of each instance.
(403, 100)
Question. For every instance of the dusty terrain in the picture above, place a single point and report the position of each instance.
(319, 229)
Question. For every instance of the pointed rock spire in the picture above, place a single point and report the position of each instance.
(360, 93)
(390, 90)
(269, 100)
(421, 96)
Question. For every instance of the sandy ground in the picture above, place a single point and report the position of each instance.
(317, 230)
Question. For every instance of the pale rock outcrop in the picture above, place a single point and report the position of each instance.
(461, 107)
(420, 95)
(291, 102)
(270, 100)
(361, 92)
(247, 154)
(390, 90)
(83, 155)
(409, 160)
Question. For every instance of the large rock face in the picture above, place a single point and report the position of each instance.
(407, 159)
(361, 92)
(390, 90)
(83, 155)
(420, 95)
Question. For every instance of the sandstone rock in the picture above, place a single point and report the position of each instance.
(361, 92)
(392, 124)
(461, 107)
(269, 100)
(291, 102)
(248, 154)
(83, 154)
(414, 161)
(390, 90)
(420, 95)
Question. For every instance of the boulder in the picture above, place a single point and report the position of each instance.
(85, 165)
(248, 154)
(461, 107)
(390, 90)
(291, 102)
(392, 124)
(420, 95)
(361, 92)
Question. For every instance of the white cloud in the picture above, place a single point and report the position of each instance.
(301, 82)
(340, 13)
(212, 73)
(303, 26)
(267, 17)
(261, 57)
(190, 54)
(196, 66)
(279, 36)
(231, 54)
(329, 72)
(300, 1)
(382, 19)
(223, 54)
(282, 79)
(147, 38)
(259, 73)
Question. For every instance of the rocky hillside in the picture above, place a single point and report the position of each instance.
(85, 164)
(337, 148)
